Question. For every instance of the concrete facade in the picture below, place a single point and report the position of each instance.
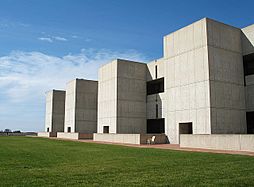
(54, 118)
(236, 142)
(122, 97)
(203, 76)
(81, 106)
(130, 138)
(203, 85)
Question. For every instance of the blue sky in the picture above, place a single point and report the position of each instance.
(45, 43)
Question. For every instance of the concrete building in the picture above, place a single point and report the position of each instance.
(122, 98)
(81, 106)
(54, 118)
(201, 85)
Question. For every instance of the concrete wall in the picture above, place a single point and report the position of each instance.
(74, 135)
(46, 134)
(131, 97)
(122, 97)
(187, 80)
(235, 142)
(65, 135)
(248, 40)
(226, 78)
(107, 97)
(81, 106)
(130, 138)
(54, 118)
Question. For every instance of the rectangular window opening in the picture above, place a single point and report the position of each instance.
(156, 126)
(105, 129)
(250, 122)
(185, 128)
(155, 86)
(156, 72)
(69, 129)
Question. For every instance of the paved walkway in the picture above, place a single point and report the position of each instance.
(166, 146)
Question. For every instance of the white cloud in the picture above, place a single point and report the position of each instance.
(59, 38)
(46, 39)
(26, 76)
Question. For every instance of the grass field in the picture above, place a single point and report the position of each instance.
(26, 161)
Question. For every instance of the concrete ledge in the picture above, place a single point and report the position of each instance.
(46, 134)
(74, 135)
(236, 142)
(129, 138)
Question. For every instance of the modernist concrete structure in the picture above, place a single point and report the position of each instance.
(54, 119)
(81, 106)
(198, 87)
(122, 98)
(203, 85)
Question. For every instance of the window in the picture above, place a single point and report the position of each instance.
(157, 112)
(155, 126)
(155, 86)
(156, 72)
(47, 129)
(69, 129)
(248, 64)
(185, 128)
(250, 122)
(105, 129)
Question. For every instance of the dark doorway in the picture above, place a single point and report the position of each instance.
(105, 129)
(185, 128)
(250, 122)
(156, 126)
(69, 129)
(47, 129)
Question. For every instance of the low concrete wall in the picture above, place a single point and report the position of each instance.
(129, 138)
(236, 142)
(74, 135)
(117, 138)
(46, 134)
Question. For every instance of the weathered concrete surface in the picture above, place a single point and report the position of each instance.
(122, 97)
(237, 142)
(54, 118)
(46, 134)
(226, 78)
(81, 106)
(74, 135)
(130, 138)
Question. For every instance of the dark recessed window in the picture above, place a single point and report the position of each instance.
(69, 129)
(157, 111)
(47, 129)
(156, 72)
(155, 126)
(105, 129)
(155, 86)
(248, 64)
(185, 128)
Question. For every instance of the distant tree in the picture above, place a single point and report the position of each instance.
(18, 131)
(7, 131)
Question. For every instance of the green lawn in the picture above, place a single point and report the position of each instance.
(26, 161)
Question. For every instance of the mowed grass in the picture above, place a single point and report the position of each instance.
(26, 161)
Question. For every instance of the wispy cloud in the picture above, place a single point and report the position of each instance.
(25, 76)
(46, 39)
(59, 38)
(52, 39)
